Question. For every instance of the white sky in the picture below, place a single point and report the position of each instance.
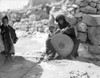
(12, 4)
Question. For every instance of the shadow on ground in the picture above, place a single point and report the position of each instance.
(20, 68)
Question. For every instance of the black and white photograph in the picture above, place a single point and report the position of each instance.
(49, 38)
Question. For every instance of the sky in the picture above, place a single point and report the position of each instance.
(12, 4)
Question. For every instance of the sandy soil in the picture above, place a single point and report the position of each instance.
(26, 63)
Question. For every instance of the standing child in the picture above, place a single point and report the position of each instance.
(50, 51)
(9, 37)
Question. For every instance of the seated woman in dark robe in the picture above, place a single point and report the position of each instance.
(64, 28)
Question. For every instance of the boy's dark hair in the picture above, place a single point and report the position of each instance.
(5, 17)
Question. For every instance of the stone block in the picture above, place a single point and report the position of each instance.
(71, 19)
(98, 12)
(89, 1)
(94, 49)
(83, 51)
(98, 6)
(89, 10)
(97, 18)
(75, 6)
(80, 14)
(78, 2)
(82, 27)
(77, 10)
(89, 20)
(96, 1)
(94, 35)
(81, 2)
(82, 36)
(93, 4)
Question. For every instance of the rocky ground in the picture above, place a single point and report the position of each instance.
(27, 63)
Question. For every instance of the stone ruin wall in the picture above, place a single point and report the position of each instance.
(85, 15)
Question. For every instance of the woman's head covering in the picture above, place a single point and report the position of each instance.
(65, 23)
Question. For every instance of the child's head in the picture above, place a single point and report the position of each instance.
(51, 29)
(5, 20)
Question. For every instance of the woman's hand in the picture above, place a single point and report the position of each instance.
(58, 31)
(64, 30)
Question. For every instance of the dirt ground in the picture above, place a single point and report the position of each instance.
(26, 63)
